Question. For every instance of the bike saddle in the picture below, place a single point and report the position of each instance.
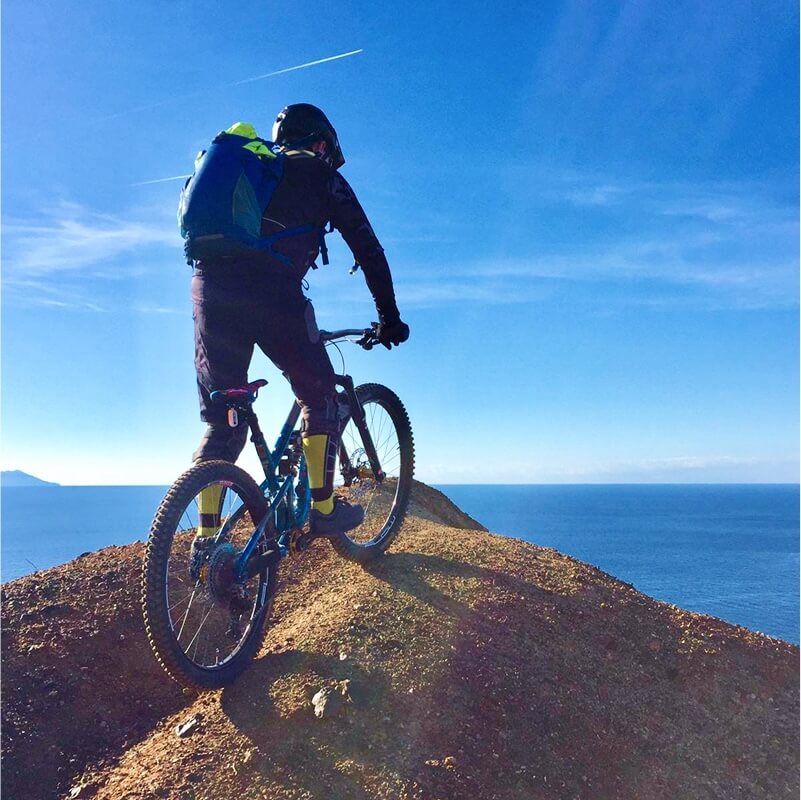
(239, 394)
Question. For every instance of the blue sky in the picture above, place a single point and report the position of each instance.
(591, 212)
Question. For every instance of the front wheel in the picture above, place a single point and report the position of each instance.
(204, 624)
(384, 496)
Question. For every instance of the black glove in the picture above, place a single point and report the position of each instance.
(389, 333)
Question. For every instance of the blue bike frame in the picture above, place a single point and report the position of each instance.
(274, 489)
(286, 533)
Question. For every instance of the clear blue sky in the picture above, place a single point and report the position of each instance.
(590, 209)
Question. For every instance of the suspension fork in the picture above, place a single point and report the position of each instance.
(359, 419)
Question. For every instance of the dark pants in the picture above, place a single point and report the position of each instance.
(231, 316)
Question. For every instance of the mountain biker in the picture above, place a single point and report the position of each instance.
(240, 302)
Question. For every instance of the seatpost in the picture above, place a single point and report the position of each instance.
(257, 437)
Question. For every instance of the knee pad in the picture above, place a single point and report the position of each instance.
(323, 418)
(221, 441)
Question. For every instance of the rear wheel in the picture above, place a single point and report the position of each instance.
(204, 625)
(384, 497)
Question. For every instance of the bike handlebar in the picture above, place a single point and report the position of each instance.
(368, 338)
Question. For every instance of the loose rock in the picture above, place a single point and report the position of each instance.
(331, 700)
(188, 727)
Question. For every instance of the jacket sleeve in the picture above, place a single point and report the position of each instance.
(348, 217)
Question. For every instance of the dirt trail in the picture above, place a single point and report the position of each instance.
(473, 666)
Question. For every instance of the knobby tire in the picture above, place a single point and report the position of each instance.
(386, 530)
(166, 524)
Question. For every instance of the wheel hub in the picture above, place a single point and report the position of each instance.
(221, 576)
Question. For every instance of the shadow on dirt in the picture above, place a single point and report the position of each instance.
(271, 705)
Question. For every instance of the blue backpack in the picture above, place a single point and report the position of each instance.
(223, 202)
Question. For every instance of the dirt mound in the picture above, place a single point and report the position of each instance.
(430, 504)
(463, 664)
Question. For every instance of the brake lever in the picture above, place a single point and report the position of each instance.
(369, 340)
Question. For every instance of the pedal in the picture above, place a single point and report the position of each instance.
(298, 541)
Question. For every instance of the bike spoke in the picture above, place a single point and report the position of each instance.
(186, 613)
(181, 600)
(203, 622)
(381, 424)
(189, 524)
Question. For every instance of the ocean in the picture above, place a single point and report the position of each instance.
(731, 551)
(727, 550)
(42, 526)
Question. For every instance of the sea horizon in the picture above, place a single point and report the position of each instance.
(725, 549)
(438, 485)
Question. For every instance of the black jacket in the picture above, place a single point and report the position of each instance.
(313, 192)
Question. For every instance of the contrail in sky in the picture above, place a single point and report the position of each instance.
(299, 66)
(235, 83)
(161, 180)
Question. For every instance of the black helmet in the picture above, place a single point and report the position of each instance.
(303, 123)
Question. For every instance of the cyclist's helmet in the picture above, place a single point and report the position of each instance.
(301, 124)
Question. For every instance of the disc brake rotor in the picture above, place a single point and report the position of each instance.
(364, 476)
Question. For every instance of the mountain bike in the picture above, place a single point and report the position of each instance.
(205, 610)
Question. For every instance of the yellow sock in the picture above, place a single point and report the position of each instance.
(209, 502)
(317, 453)
(324, 506)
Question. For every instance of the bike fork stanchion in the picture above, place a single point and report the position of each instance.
(357, 415)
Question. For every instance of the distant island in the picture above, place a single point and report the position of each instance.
(16, 477)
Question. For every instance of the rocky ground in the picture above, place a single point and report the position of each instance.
(462, 665)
